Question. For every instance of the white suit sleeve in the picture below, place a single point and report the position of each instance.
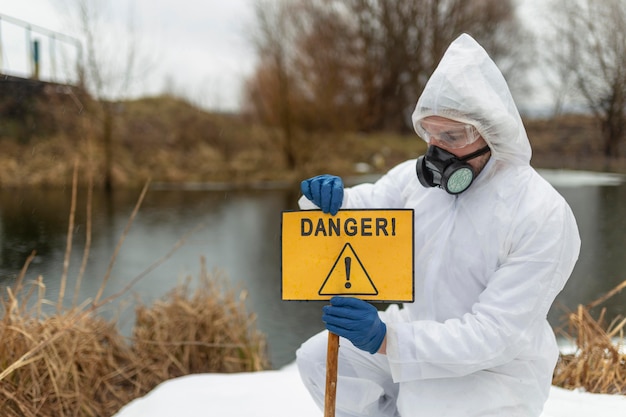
(510, 309)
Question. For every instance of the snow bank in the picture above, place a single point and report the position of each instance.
(281, 394)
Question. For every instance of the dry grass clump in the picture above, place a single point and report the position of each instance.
(599, 363)
(69, 364)
(203, 330)
(75, 363)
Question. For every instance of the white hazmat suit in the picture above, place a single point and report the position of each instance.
(488, 265)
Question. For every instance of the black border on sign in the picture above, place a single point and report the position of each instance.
(349, 210)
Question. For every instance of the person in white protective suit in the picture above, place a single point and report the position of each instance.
(494, 245)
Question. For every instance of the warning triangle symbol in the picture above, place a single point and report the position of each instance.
(348, 276)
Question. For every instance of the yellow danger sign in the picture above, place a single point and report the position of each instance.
(362, 253)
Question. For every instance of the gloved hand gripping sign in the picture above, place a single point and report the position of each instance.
(325, 191)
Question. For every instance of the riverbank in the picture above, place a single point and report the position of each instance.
(169, 141)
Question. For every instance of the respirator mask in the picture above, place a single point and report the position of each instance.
(440, 168)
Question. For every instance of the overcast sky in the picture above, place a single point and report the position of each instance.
(199, 49)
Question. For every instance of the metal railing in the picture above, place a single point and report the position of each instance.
(33, 55)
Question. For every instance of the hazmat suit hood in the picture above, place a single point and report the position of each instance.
(468, 87)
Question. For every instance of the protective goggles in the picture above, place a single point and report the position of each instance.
(447, 132)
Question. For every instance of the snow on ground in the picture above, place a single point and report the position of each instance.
(280, 393)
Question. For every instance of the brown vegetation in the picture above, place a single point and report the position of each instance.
(358, 66)
(351, 64)
(598, 363)
(169, 140)
(166, 139)
(75, 363)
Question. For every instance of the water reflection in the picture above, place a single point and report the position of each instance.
(27, 221)
(239, 236)
(601, 216)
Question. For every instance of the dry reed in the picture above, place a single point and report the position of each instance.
(69, 364)
(202, 330)
(75, 363)
(598, 363)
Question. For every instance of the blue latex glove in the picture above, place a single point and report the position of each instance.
(325, 191)
(357, 321)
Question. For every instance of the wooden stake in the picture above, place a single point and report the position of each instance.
(331, 375)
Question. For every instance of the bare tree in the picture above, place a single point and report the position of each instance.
(363, 63)
(112, 65)
(269, 90)
(589, 56)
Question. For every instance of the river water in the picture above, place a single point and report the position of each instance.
(239, 237)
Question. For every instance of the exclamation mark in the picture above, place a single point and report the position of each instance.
(348, 261)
